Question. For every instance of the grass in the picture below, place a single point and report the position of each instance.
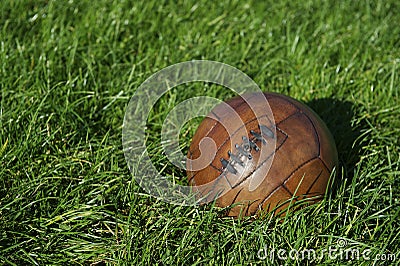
(68, 70)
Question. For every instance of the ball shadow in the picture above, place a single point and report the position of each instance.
(338, 116)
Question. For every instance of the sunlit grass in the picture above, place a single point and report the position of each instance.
(68, 70)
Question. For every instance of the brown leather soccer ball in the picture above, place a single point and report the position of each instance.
(244, 155)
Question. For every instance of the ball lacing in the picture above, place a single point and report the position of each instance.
(244, 149)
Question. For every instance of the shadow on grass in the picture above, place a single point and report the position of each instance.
(338, 116)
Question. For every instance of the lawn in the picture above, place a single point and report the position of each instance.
(69, 68)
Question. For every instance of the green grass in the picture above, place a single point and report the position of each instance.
(69, 68)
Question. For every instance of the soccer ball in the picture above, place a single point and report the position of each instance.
(258, 157)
